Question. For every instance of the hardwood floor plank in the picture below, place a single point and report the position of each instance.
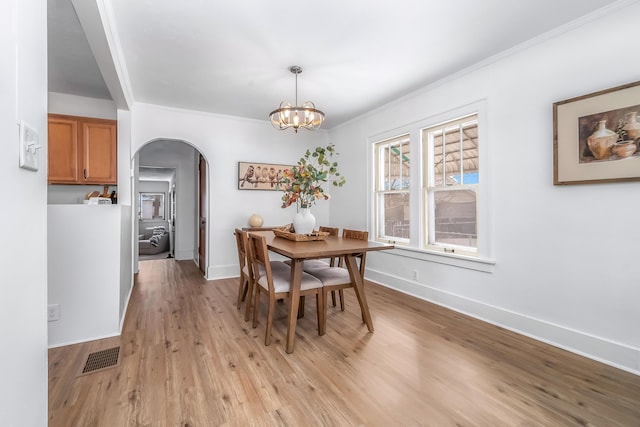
(189, 358)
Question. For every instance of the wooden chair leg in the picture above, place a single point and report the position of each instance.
(333, 298)
(256, 307)
(267, 336)
(321, 309)
(341, 299)
(250, 301)
(241, 290)
(301, 307)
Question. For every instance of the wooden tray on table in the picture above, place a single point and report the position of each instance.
(286, 233)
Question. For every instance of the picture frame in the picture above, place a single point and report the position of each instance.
(260, 176)
(594, 136)
(151, 206)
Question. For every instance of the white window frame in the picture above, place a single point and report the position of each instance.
(484, 260)
(380, 191)
(429, 189)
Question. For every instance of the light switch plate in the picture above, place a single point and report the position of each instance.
(28, 147)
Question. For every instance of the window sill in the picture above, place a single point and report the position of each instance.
(456, 260)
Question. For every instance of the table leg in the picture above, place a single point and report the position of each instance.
(354, 273)
(294, 301)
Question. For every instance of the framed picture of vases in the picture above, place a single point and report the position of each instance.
(596, 137)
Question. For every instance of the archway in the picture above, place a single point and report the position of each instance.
(181, 213)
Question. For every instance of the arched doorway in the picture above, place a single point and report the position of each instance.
(184, 213)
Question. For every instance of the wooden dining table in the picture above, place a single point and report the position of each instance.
(331, 246)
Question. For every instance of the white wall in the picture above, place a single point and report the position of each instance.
(85, 276)
(23, 266)
(566, 256)
(124, 158)
(128, 244)
(73, 105)
(134, 211)
(60, 103)
(157, 187)
(126, 260)
(224, 141)
(72, 194)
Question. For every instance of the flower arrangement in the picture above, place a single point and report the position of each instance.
(302, 184)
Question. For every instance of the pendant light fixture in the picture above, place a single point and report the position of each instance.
(288, 116)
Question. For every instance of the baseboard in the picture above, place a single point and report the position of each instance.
(602, 350)
(83, 340)
(184, 254)
(126, 304)
(222, 272)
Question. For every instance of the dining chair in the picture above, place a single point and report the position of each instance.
(273, 279)
(314, 264)
(245, 286)
(317, 263)
(337, 278)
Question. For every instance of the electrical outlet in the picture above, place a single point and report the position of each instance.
(415, 274)
(53, 312)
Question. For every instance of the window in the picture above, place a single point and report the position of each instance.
(450, 186)
(392, 209)
(151, 206)
(428, 194)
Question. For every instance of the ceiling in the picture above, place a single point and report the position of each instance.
(72, 67)
(232, 58)
(156, 173)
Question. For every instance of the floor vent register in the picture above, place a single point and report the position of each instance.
(100, 360)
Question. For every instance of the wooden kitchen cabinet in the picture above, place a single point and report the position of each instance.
(82, 150)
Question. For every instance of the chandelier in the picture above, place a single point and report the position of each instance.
(288, 116)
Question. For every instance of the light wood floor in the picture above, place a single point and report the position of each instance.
(189, 359)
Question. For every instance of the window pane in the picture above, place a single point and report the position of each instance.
(394, 215)
(385, 168)
(455, 218)
(395, 166)
(454, 151)
(438, 149)
(469, 154)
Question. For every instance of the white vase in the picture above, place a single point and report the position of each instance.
(601, 141)
(304, 221)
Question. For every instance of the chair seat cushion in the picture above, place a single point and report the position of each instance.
(310, 264)
(331, 276)
(281, 280)
(280, 266)
(275, 265)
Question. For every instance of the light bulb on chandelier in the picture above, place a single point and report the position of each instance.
(289, 116)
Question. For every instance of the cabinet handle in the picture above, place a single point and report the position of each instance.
(84, 173)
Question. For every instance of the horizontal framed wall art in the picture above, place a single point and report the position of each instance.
(596, 137)
(260, 176)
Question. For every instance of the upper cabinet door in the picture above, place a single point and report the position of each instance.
(82, 150)
(99, 153)
(63, 151)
